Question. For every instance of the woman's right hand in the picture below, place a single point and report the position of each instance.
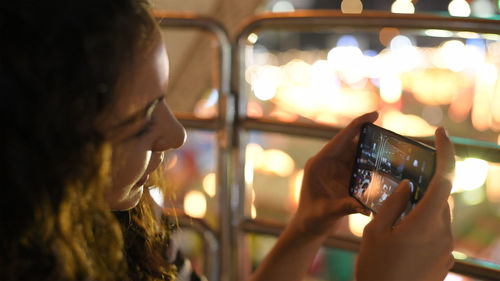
(419, 246)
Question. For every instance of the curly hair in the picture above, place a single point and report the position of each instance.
(59, 63)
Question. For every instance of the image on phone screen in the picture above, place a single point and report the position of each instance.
(383, 160)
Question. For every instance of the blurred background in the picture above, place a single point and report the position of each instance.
(418, 78)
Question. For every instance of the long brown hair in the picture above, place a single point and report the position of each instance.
(59, 62)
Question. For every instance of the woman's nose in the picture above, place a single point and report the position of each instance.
(171, 133)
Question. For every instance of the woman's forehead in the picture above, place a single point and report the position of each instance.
(143, 83)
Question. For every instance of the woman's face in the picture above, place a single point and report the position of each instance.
(140, 126)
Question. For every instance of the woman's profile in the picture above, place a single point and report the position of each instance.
(85, 125)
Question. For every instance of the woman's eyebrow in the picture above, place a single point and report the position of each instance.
(141, 114)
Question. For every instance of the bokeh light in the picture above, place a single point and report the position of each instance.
(357, 223)
(296, 186)
(209, 184)
(402, 7)
(493, 183)
(470, 174)
(157, 195)
(459, 8)
(351, 6)
(283, 6)
(195, 204)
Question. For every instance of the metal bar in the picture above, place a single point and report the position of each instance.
(222, 125)
(270, 228)
(467, 268)
(190, 20)
(463, 147)
(211, 244)
(192, 122)
(326, 20)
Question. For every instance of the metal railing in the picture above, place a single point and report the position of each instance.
(326, 20)
(226, 244)
(217, 243)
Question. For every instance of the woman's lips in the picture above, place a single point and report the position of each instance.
(142, 181)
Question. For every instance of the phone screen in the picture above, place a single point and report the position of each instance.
(385, 158)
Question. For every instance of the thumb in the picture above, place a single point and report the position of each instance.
(393, 206)
(348, 206)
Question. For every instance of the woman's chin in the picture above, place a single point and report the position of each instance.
(130, 201)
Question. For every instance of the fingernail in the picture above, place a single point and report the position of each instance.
(405, 182)
(445, 132)
(412, 187)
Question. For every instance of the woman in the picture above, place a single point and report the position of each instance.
(85, 124)
(83, 85)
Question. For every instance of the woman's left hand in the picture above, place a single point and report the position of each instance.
(324, 197)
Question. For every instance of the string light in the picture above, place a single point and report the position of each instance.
(282, 7)
(459, 8)
(351, 7)
(209, 184)
(470, 175)
(402, 7)
(483, 8)
(195, 204)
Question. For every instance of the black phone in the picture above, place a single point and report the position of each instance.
(383, 159)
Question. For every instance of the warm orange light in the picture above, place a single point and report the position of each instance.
(481, 110)
(390, 88)
(493, 183)
(459, 8)
(254, 109)
(209, 184)
(351, 6)
(402, 7)
(495, 104)
(386, 34)
(278, 162)
(254, 154)
(435, 86)
(253, 211)
(195, 204)
(406, 124)
(297, 72)
(283, 115)
(357, 223)
(296, 186)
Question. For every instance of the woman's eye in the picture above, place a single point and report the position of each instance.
(145, 130)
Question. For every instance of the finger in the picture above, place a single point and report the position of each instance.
(451, 261)
(346, 135)
(348, 206)
(439, 188)
(393, 207)
(442, 266)
(447, 223)
(447, 214)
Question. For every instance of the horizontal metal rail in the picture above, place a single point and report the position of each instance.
(463, 147)
(327, 21)
(467, 268)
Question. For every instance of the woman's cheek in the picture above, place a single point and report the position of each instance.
(128, 167)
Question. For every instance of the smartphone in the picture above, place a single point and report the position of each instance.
(383, 159)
